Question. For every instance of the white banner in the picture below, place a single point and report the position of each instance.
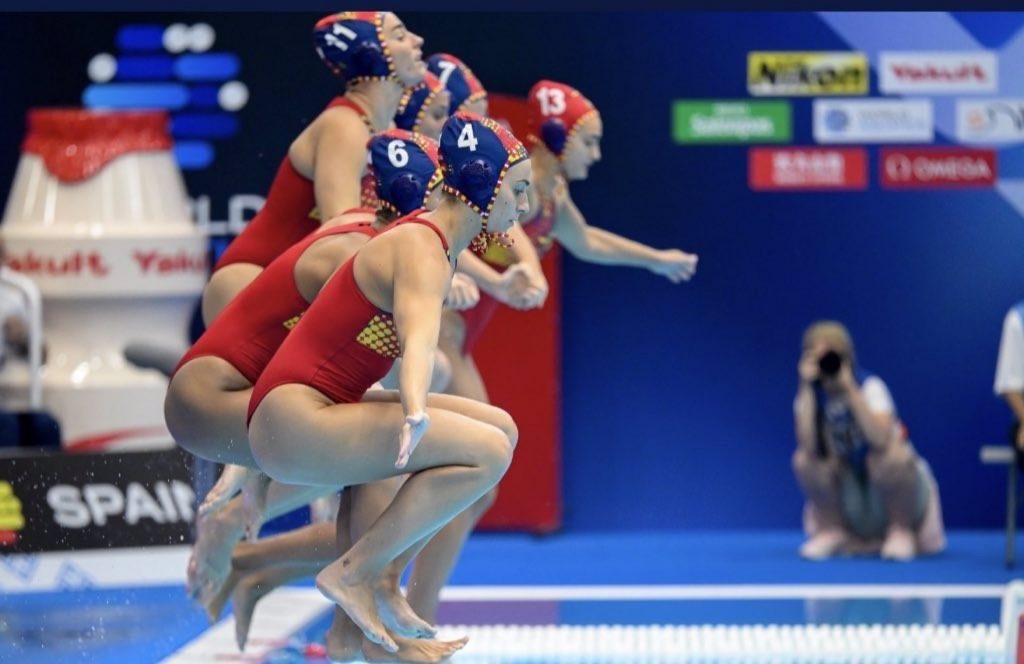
(873, 121)
(990, 120)
(938, 72)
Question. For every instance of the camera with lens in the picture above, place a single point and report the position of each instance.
(830, 363)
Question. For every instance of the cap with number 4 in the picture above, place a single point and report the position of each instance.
(556, 111)
(476, 153)
(405, 168)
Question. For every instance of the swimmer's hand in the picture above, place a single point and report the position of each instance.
(463, 293)
(412, 431)
(520, 287)
(674, 265)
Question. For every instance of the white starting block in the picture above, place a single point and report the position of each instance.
(1003, 454)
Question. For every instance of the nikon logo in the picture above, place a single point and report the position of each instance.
(807, 73)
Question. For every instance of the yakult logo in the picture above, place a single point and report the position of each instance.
(938, 168)
(156, 263)
(93, 263)
(938, 73)
(75, 264)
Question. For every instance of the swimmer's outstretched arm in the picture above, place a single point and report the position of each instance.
(595, 245)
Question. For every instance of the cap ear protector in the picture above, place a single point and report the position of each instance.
(366, 55)
(476, 178)
(554, 135)
(406, 192)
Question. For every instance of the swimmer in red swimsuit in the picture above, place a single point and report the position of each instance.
(209, 391)
(307, 423)
(565, 144)
(378, 58)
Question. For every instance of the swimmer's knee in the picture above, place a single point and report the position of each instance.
(267, 454)
(508, 427)
(484, 503)
(495, 450)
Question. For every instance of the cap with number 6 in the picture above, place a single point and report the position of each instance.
(476, 153)
(556, 110)
(405, 168)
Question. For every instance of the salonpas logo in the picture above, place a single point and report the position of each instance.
(709, 121)
(772, 73)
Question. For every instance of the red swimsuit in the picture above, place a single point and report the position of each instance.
(539, 230)
(344, 343)
(252, 327)
(288, 215)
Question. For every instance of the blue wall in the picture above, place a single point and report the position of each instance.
(678, 398)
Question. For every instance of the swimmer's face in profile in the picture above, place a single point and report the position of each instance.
(583, 148)
(405, 48)
(512, 202)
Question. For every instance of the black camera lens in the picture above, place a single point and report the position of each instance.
(830, 363)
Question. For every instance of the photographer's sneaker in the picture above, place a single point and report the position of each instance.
(899, 544)
(824, 544)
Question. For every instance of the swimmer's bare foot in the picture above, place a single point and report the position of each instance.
(899, 544)
(228, 484)
(824, 544)
(414, 650)
(344, 639)
(214, 604)
(397, 615)
(250, 590)
(210, 563)
(254, 503)
(356, 599)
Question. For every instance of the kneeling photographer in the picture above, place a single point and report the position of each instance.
(867, 490)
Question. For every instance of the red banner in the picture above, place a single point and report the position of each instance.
(938, 168)
(796, 169)
(519, 356)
